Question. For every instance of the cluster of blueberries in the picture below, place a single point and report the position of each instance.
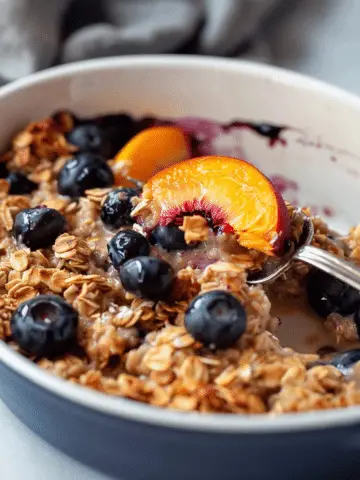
(47, 325)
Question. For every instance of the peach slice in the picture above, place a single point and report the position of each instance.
(150, 151)
(232, 194)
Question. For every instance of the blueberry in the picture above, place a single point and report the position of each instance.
(20, 184)
(119, 128)
(118, 121)
(83, 172)
(117, 207)
(345, 360)
(147, 277)
(169, 238)
(126, 245)
(3, 170)
(44, 326)
(89, 137)
(328, 295)
(216, 319)
(38, 227)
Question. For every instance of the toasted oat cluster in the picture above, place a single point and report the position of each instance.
(72, 252)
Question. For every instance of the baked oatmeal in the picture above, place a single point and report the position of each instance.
(131, 279)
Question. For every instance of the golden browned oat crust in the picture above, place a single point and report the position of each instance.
(140, 349)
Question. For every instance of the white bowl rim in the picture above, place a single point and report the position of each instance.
(132, 410)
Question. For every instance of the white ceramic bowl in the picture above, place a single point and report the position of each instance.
(319, 165)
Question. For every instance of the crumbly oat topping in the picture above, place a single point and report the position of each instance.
(342, 328)
(140, 349)
(97, 195)
(72, 252)
(196, 229)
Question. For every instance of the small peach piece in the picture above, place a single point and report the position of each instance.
(149, 152)
(231, 194)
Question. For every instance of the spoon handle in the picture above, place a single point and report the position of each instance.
(329, 263)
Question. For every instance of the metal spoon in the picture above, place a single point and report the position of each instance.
(325, 261)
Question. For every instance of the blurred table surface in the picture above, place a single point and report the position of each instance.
(319, 38)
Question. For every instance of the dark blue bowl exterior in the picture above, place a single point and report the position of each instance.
(136, 451)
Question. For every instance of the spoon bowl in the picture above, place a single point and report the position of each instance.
(305, 252)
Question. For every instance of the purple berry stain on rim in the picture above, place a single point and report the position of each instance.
(206, 131)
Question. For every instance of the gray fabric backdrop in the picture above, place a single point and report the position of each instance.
(35, 34)
(314, 36)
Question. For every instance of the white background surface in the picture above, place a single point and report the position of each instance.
(322, 39)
